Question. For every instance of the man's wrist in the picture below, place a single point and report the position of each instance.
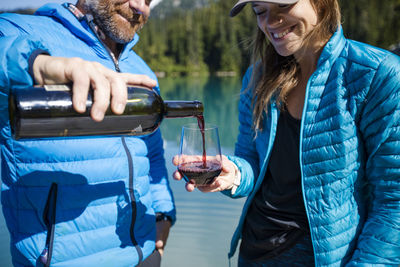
(163, 217)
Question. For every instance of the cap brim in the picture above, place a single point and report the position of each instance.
(240, 4)
(237, 8)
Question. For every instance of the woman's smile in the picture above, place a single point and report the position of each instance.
(281, 34)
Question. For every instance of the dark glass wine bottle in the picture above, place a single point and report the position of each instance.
(47, 111)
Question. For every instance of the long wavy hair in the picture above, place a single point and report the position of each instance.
(274, 76)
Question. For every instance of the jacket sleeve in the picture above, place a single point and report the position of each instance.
(16, 54)
(379, 242)
(18, 50)
(246, 156)
(163, 200)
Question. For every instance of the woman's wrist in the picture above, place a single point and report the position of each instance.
(236, 180)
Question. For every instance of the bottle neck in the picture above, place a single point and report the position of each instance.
(179, 109)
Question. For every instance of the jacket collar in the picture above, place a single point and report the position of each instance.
(332, 49)
(78, 27)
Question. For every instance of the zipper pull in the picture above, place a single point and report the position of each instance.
(44, 255)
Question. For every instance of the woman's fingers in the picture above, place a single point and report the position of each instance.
(190, 187)
(177, 175)
(216, 186)
(175, 160)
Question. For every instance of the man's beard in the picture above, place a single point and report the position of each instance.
(119, 23)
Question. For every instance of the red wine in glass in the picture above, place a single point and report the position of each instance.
(196, 172)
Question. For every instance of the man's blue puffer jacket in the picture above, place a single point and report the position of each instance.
(91, 201)
(349, 146)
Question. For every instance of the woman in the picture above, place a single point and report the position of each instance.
(318, 152)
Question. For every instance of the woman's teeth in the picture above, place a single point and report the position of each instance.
(280, 35)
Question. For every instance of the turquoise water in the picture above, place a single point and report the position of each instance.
(205, 224)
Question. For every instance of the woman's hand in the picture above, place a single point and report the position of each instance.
(224, 181)
(108, 85)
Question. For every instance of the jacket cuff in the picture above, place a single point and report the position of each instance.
(160, 216)
(32, 59)
(170, 216)
(246, 178)
(237, 180)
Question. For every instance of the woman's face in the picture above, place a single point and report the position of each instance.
(286, 26)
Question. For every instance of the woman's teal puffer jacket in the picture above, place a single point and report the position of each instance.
(91, 200)
(349, 155)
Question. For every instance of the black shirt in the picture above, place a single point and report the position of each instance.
(276, 218)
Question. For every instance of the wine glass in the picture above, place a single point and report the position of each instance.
(200, 158)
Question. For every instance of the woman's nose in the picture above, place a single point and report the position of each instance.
(274, 18)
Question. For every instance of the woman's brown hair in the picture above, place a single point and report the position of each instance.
(274, 75)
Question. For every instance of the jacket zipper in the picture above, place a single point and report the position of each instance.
(133, 202)
(49, 218)
(301, 165)
(239, 228)
(92, 25)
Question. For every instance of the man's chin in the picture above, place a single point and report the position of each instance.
(121, 31)
(124, 38)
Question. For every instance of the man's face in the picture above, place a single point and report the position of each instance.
(119, 19)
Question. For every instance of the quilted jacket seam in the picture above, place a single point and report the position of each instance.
(325, 160)
(367, 96)
(330, 223)
(74, 160)
(78, 232)
(321, 133)
(377, 119)
(331, 145)
(101, 251)
(332, 236)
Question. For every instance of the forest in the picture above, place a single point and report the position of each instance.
(203, 40)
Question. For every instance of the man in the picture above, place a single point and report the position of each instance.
(82, 201)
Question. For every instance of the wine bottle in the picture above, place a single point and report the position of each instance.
(47, 111)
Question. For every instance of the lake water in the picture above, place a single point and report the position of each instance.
(205, 222)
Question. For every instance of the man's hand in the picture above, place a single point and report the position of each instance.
(108, 85)
(162, 228)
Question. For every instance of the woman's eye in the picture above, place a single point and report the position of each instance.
(283, 5)
(259, 12)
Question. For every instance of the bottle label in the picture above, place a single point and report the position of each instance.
(138, 129)
(57, 87)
